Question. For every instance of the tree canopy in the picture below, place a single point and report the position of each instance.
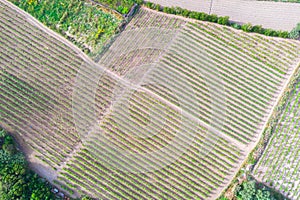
(16, 180)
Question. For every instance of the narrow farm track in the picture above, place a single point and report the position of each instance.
(275, 15)
(172, 96)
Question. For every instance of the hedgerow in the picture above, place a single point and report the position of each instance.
(223, 20)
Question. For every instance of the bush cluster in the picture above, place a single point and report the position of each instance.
(252, 190)
(249, 191)
(295, 33)
(268, 32)
(16, 180)
(190, 14)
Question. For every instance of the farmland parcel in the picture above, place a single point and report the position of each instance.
(200, 92)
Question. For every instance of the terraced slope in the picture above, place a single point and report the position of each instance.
(176, 124)
(279, 164)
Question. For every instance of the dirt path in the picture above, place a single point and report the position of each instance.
(275, 15)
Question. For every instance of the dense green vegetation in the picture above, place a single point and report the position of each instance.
(122, 6)
(16, 180)
(88, 26)
(190, 14)
(216, 19)
(251, 190)
(295, 33)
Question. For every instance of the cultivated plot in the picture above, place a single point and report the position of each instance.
(169, 112)
(279, 165)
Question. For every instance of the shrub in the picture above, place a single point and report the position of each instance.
(283, 34)
(158, 7)
(258, 29)
(185, 13)
(214, 18)
(249, 191)
(247, 27)
(236, 26)
(204, 16)
(295, 33)
(223, 20)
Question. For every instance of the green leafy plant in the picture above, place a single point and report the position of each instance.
(295, 33)
(16, 180)
(122, 6)
(77, 20)
(250, 190)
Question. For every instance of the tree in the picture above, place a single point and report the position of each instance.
(16, 180)
(203, 16)
(166, 10)
(158, 7)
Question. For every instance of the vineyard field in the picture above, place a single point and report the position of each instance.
(278, 167)
(170, 111)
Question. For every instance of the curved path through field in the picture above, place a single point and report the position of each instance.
(275, 15)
